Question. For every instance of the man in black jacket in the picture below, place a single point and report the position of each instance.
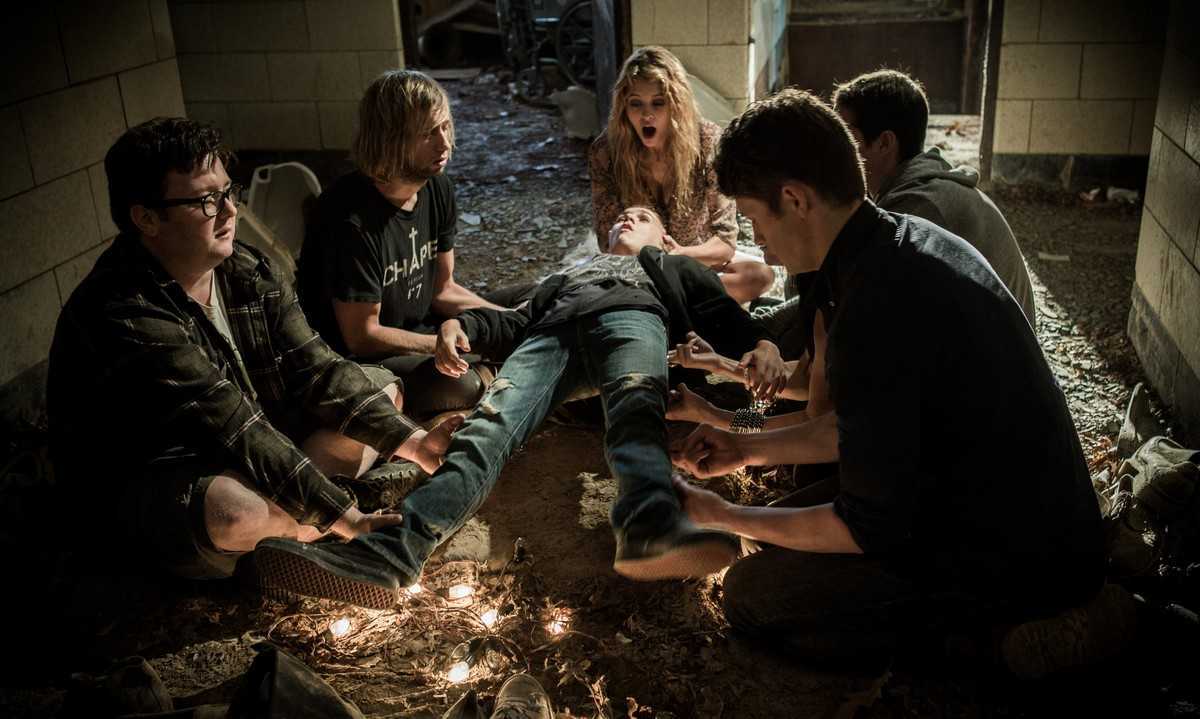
(961, 498)
(603, 325)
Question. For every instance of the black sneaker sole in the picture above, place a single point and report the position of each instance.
(697, 559)
(282, 573)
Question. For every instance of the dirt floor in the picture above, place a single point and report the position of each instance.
(539, 553)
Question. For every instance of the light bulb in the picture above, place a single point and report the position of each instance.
(458, 672)
(340, 627)
(489, 618)
(460, 591)
(556, 627)
(414, 589)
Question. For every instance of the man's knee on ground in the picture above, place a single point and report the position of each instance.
(236, 517)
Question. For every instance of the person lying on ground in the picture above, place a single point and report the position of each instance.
(657, 152)
(190, 404)
(603, 325)
(961, 501)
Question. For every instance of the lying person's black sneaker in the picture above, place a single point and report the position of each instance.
(682, 551)
(522, 697)
(344, 572)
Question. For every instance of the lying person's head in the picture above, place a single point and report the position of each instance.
(635, 228)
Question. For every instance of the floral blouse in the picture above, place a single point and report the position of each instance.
(708, 213)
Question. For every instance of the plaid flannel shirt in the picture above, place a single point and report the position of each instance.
(137, 371)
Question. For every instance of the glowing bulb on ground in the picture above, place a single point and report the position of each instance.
(414, 589)
(458, 672)
(489, 618)
(460, 591)
(555, 627)
(340, 627)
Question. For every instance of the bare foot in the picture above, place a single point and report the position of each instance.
(436, 441)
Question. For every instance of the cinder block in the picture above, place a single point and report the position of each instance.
(376, 62)
(1171, 192)
(1012, 126)
(314, 75)
(70, 273)
(164, 37)
(1121, 71)
(151, 91)
(1143, 127)
(642, 22)
(1155, 348)
(99, 183)
(680, 22)
(724, 67)
(28, 314)
(44, 227)
(215, 114)
(1066, 127)
(275, 125)
(337, 124)
(101, 38)
(1151, 267)
(224, 76)
(353, 24)
(1101, 21)
(1181, 297)
(15, 173)
(261, 26)
(1179, 87)
(33, 53)
(1029, 72)
(73, 128)
(191, 27)
(728, 22)
(1021, 18)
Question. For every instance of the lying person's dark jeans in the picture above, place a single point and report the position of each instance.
(621, 353)
(842, 608)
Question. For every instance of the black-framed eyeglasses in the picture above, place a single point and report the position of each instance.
(210, 204)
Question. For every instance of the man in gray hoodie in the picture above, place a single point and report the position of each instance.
(888, 113)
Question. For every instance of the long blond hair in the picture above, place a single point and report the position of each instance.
(654, 64)
(398, 107)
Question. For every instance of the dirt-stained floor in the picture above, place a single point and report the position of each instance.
(538, 557)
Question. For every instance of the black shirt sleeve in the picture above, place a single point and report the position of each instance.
(446, 216)
(875, 364)
(357, 266)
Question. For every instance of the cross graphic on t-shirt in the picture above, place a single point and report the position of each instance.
(412, 235)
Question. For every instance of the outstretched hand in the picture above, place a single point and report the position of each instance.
(702, 506)
(450, 341)
(684, 405)
(695, 353)
(709, 452)
(764, 371)
(431, 452)
(353, 523)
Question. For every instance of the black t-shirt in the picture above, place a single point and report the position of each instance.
(958, 458)
(359, 247)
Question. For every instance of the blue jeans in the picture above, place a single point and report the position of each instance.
(623, 354)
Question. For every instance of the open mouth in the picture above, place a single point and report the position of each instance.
(649, 131)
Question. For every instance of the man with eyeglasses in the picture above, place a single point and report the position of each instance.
(192, 409)
(376, 273)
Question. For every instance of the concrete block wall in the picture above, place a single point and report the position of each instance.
(1164, 323)
(80, 73)
(283, 74)
(710, 37)
(1078, 77)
